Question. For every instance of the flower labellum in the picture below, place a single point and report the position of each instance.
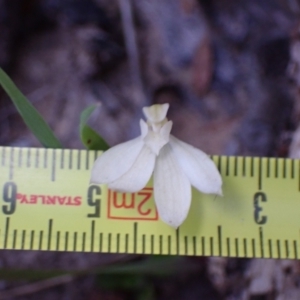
(175, 165)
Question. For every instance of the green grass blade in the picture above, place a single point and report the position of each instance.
(30, 115)
(89, 137)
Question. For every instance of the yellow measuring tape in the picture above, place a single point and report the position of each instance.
(48, 204)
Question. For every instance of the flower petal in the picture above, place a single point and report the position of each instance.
(165, 130)
(156, 113)
(138, 175)
(116, 161)
(144, 128)
(156, 140)
(172, 189)
(197, 166)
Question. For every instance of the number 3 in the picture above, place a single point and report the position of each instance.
(259, 196)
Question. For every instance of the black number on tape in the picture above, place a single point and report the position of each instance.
(258, 198)
(94, 190)
(10, 197)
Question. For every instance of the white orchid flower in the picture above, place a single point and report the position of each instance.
(175, 165)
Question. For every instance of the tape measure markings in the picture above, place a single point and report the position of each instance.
(3, 159)
(259, 174)
(227, 166)
(53, 166)
(45, 157)
(31, 239)
(37, 158)
(28, 158)
(19, 157)
(228, 246)
(287, 248)
(100, 242)
(252, 167)
(57, 240)
(66, 248)
(31, 153)
(49, 238)
(261, 238)
(194, 238)
(276, 169)
(254, 170)
(270, 248)
(278, 249)
(6, 233)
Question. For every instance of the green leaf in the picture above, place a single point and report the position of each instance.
(154, 265)
(89, 137)
(30, 115)
(121, 281)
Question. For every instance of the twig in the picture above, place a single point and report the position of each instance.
(131, 48)
(59, 280)
(36, 287)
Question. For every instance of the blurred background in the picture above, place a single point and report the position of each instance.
(229, 69)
